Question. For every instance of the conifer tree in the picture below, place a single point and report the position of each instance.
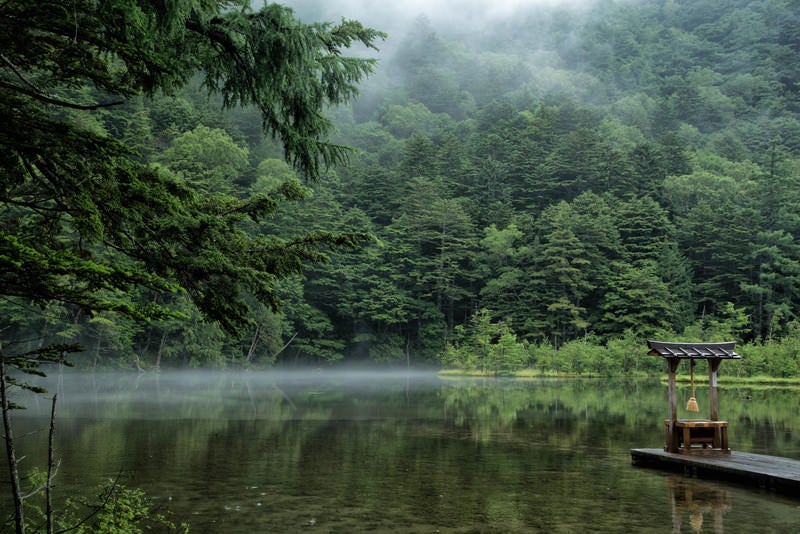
(84, 219)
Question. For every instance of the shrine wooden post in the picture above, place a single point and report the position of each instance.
(713, 398)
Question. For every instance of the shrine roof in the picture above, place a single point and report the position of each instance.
(669, 349)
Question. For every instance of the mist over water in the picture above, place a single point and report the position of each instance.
(165, 394)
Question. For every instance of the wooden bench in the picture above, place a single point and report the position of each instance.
(707, 435)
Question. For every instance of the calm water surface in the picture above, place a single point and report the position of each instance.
(397, 452)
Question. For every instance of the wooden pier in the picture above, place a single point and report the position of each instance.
(781, 475)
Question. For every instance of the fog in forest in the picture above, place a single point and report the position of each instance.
(447, 16)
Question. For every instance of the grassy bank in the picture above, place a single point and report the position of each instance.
(761, 380)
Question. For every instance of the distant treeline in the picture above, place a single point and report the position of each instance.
(547, 194)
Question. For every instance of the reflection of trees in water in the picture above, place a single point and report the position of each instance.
(698, 501)
(544, 455)
(564, 410)
(484, 409)
(615, 412)
(761, 420)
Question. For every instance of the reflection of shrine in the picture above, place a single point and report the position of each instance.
(701, 501)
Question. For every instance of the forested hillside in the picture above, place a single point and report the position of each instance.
(564, 175)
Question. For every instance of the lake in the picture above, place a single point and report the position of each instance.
(328, 451)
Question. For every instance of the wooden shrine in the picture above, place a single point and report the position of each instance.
(699, 447)
(691, 436)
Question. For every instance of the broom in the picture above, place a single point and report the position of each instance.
(691, 406)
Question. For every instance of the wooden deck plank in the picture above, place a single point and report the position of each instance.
(770, 472)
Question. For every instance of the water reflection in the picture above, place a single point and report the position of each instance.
(696, 503)
(258, 452)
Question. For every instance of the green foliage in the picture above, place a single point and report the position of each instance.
(116, 509)
(206, 158)
(729, 323)
(636, 299)
(490, 347)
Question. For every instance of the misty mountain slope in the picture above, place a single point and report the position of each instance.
(689, 106)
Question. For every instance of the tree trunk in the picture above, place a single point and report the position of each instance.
(160, 350)
(50, 464)
(19, 515)
(254, 343)
(275, 356)
(97, 351)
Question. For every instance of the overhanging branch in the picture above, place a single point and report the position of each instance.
(34, 92)
(58, 102)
